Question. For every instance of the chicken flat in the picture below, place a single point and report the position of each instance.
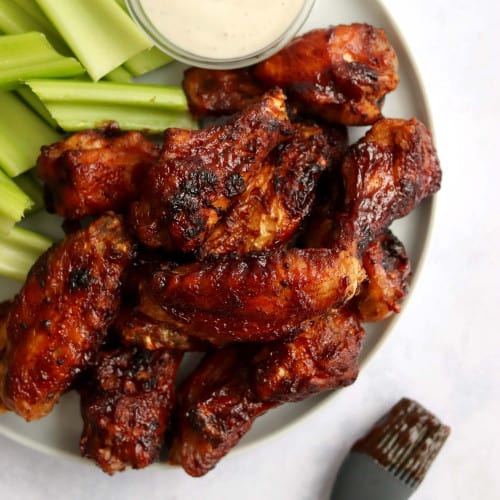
(200, 173)
(61, 315)
(125, 404)
(219, 402)
(94, 171)
(260, 296)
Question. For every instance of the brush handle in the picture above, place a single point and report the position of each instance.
(361, 478)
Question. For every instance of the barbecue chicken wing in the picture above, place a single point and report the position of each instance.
(388, 279)
(260, 296)
(126, 404)
(340, 74)
(233, 386)
(94, 171)
(61, 314)
(385, 175)
(201, 173)
(279, 195)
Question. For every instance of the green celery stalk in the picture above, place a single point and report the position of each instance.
(30, 185)
(146, 61)
(29, 55)
(31, 8)
(99, 32)
(120, 75)
(13, 204)
(16, 18)
(19, 251)
(30, 98)
(22, 133)
(82, 105)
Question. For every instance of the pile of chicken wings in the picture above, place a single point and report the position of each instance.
(260, 240)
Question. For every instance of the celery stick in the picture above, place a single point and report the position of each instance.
(19, 251)
(120, 75)
(30, 185)
(13, 204)
(99, 32)
(22, 133)
(15, 18)
(31, 8)
(146, 61)
(29, 55)
(81, 105)
(30, 98)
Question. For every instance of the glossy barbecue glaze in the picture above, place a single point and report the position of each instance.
(61, 314)
(94, 171)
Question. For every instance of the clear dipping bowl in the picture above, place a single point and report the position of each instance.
(142, 19)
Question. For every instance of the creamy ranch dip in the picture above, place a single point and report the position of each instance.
(222, 29)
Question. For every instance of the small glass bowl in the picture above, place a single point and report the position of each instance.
(178, 53)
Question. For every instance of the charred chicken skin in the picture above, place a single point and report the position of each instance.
(219, 402)
(340, 74)
(94, 171)
(259, 297)
(200, 173)
(385, 175)
(343, 73)
(125, 404)
(280, 195)
(61, 314)
(216, 406)
(388, 279)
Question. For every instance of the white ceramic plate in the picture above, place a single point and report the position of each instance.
(59, 433)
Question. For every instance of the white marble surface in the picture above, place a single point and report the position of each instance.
(445, 348)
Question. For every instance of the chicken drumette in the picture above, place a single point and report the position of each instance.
(384, 176)
(61, 315)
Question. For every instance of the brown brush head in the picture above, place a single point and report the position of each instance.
(405, 441)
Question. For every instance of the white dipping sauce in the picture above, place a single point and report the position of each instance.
(222, 29)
